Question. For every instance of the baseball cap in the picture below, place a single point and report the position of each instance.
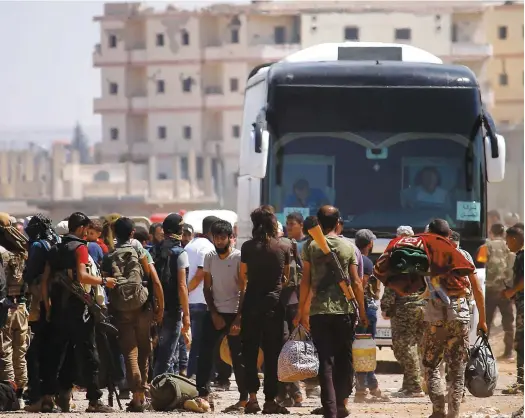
(188, 228)
(363, 237)
(172, 224)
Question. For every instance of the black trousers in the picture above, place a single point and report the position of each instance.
(210, 338)
(265, 331)
(32, 357)
(333, 336)
(69, 337)
(289, 389)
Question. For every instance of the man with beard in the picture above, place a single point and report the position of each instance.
(171, 263)
(224, 294)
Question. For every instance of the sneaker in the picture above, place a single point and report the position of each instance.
(98, 407)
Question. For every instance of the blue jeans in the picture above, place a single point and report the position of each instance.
(197, 313)
(169, 335)
(368, 379)
(180, 358)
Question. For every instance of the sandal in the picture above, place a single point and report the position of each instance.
(273, 408)
(252, 407)
(236, 408)
(514, 389)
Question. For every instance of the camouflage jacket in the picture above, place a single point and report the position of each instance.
(499, 265)
(14, 269)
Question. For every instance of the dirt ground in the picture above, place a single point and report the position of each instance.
(497, 406)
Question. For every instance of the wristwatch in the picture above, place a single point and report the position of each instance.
(104, 281)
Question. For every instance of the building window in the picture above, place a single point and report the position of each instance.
(234, 84)
(502, 32)
(503, 79)
(160, 39)
(186, 84)
(234, 34)
(112, 41)
(162, 176)
(351, 33)
(161, 87)
(113, 134)
(200, 168)
(161, 132)
(113, 89)
(236, 131)
(403, 34)
(187, 132)
(185, 37)
(184, 172)
(279, 35)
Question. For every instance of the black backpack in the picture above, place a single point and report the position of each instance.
(162, 257)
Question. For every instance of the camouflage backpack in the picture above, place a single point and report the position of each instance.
(169, 392)
(130, 293)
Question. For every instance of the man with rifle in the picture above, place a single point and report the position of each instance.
(71, 320)
(331, 299)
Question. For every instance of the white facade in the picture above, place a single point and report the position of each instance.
(173, 81)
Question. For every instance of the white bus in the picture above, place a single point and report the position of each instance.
(387, 133)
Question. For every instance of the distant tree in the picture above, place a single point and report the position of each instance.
(80, 143)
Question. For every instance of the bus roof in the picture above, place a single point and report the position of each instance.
(371, 74)
(339, 51)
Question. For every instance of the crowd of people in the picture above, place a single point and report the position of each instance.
(174, 296)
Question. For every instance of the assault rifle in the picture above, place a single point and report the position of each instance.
(339, 274)
(75, 288)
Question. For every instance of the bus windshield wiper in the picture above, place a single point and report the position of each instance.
(378, 234)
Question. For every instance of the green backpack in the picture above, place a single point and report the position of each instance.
(170, 391)
(130, 293)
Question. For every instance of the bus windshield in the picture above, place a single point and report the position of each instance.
(381, 178)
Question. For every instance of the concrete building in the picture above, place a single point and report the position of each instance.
(504, 29)
(173, 80)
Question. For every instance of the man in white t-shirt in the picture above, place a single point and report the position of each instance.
(197, 250)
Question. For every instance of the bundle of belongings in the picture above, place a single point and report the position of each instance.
(169, 392)
(410, 263)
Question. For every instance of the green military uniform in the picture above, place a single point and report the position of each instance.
(14, 336)
(499, 275)
(406, 319)
(446, 337)
(518, 341)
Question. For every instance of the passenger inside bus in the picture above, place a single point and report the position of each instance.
(303, 196)
(428, 190)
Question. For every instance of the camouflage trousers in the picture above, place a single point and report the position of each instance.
(14, 342)
(449, 340)
(518, 339)
(407, 333)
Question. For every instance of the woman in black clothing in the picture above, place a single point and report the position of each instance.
(265, 266)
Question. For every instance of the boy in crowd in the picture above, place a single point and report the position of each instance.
(515, 244)
(93, 235)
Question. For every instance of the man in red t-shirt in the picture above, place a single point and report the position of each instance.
(70, 323)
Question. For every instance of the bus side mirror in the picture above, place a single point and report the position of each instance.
(495, 156)
(261, 140)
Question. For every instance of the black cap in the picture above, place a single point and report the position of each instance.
(173, 224)
(187, 228)
(207, 222)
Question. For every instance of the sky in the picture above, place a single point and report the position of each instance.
(46, 74)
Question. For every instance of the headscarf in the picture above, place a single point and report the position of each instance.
(39, 228)
(10, 237)
(107, 229)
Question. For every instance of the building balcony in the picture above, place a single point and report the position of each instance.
(471, 50)
(113, 57)
(110, 104)
(271, 52)
(138, 56)
(214, 97)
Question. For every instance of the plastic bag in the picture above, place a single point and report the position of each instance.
(481, 373)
